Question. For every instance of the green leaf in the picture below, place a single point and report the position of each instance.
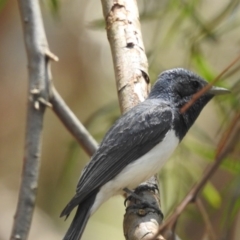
(232, 206)
(202, 66)
(207, 153)
(2, 4)
(236, 208)
(212, 196)
(72, 158)
(98, 24)
(54, 4)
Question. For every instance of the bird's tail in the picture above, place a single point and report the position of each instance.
(80, 219)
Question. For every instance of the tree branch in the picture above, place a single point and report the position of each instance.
(226, 144)
(131, 74)
(71, 122)
(129, 58)
(39, 77)
(209, 228)
(197, 95)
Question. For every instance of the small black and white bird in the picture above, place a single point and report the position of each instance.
(138, 144)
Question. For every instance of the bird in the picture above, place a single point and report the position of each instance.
(138, 144)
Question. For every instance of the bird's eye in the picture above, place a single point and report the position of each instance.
(195, 84)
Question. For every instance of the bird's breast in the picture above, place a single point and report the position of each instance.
(149, 164)
(140, 170)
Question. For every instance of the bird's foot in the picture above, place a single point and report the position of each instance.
(143, 203)
(147, 187)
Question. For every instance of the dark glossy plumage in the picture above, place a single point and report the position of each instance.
(133, 135)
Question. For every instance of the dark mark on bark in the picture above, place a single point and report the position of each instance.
(145, 75)
(130, 45)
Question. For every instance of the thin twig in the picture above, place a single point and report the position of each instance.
(226, 144)
(197, 95)
(208, 224)
(39, 77)
(71, 122)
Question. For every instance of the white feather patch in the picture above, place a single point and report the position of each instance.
(138, 171)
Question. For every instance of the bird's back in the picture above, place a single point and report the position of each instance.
(130, 138)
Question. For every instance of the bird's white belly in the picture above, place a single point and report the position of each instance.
(139, 171)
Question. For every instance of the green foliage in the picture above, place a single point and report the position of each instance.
(2, 4)
(212, 195)
(53, 6)
(103, 117)
(190, 37)
(72, 158)
(183, 24)
(98, 24)
(202, 66)
(232, 204)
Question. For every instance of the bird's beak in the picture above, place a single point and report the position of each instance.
(218, 90)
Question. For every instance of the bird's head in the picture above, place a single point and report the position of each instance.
(179, 85)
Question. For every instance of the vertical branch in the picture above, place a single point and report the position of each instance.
(131, 74)
(129, 58)
(39, 76)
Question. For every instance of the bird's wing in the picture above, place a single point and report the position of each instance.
(133, 135)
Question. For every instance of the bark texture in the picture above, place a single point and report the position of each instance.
(71, 122)
(129, 58)
(131, 74)
(39, 77)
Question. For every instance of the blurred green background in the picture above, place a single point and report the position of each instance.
(200, 35)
